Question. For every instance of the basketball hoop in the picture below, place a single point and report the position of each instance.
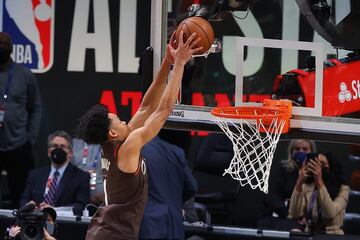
(254, 133)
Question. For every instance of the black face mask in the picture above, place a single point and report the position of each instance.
(58, 155)
(4, 55)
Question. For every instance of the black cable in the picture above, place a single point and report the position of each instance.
(241, 18)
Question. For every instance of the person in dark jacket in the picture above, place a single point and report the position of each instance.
(61, 183)
(20, 117)
(171, 183)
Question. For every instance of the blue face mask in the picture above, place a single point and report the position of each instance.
(300, 157)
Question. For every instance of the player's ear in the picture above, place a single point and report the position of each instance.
(112, 134)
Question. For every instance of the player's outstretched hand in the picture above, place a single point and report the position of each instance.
(171, 45)
(184, 51)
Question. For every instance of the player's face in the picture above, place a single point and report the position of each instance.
(118, 129)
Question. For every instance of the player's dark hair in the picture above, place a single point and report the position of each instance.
(94, 125)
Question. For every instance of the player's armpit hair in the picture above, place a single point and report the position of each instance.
(94, 125)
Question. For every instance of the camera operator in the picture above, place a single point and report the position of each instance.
(320, 195)
(27, 230)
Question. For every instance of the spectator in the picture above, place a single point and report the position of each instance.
(88, 158)
(320, 196)
(20, 114)
(355, 158)
(49, 230)
(170, 184)
(281, 185)
(61, 184)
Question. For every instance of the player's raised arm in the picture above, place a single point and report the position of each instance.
(156, 120)
(181, 56)
(153, 94)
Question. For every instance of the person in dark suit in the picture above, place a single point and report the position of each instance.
(171, 183)
(61, 184)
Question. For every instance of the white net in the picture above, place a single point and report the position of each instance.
(253, 151)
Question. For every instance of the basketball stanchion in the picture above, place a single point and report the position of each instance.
(254, 132)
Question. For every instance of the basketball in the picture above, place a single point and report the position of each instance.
(201, 27)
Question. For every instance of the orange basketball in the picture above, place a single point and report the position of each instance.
(202, 28)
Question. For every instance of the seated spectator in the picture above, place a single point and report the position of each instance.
(61, 183)
(49, 230)
(355, 158)
(171, 183)
(320, 196)
(87, 157)
(281, 185)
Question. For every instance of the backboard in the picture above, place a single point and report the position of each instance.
(264, 57)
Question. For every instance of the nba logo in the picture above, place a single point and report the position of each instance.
(31, 26)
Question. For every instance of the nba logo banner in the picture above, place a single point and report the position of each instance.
(31, 26)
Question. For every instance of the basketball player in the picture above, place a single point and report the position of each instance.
(124, 170)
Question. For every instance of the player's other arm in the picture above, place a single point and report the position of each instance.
(152, 96)
(157, 119)
(130, 150)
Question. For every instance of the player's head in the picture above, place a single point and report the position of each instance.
(94, 125)
(5, 47)
(118, 130)
(98, 126)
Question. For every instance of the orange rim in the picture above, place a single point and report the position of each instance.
(250, 112)
(271, 109)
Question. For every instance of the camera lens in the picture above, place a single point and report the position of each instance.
(31, 232)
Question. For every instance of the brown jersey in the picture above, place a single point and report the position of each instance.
(125, 199)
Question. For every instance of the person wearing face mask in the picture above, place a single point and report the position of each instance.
(61, 184)
(281, 184)
(320, 196)
(20, 114)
